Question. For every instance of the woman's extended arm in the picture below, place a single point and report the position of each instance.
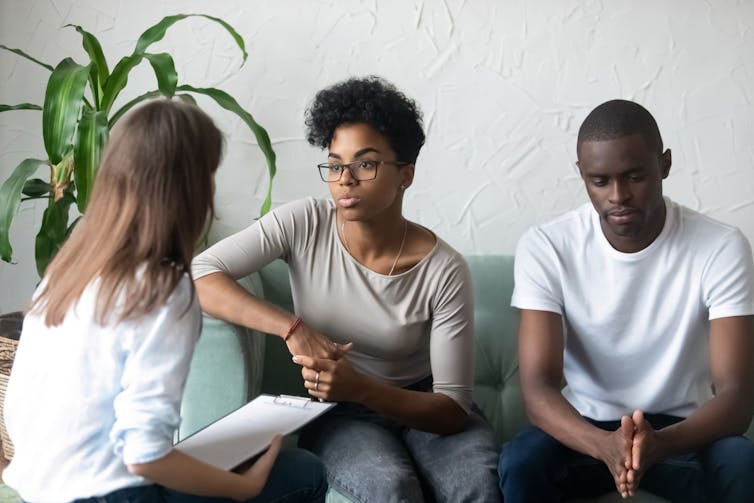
(186, 474)
(223, 298)
(216, 269)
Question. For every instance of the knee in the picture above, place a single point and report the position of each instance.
(304, 469)
(733, 455)
(379, 486)
(516, 463)
(525, 454)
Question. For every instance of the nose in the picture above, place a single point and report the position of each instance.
(619, 192)
(346, 177)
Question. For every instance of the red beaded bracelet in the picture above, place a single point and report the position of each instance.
(293, 328)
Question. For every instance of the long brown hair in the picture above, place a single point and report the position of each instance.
(147, 211)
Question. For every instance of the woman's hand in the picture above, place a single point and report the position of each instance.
(332, 380)
(306, 341)
(259, 472)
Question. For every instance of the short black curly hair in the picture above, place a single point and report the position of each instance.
(370, 100)
(618, 118)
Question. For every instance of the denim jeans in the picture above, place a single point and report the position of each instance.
(370, 458)
(297, 476)
(535, 467)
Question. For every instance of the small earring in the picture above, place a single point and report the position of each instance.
(403, 187)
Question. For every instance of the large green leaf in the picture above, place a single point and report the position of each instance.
(53, 231)
(119, 76)
(228, 102)
(24, 55)
(10, 198)
(90, 142)
(164, 70)
(20, 106)
(97, 57)
(64, 99)
(117, 81)
(157, 32)
(163, 67)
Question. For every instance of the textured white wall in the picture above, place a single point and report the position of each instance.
(503, 85)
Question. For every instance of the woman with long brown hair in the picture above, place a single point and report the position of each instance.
(94, 395)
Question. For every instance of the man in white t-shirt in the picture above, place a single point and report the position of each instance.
(643, 309)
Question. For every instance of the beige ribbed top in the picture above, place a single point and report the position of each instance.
(404, 327)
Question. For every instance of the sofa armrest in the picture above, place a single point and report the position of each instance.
(226, 369)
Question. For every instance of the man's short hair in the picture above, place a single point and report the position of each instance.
(618, 118)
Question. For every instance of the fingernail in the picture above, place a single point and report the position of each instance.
(296, 359)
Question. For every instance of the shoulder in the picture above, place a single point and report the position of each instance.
(703, 234)
(561, 233)
(448, 262)
(302, 208)
(697, 224)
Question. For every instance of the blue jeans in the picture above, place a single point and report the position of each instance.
(370, 458)
(535, 467)
(297, 476)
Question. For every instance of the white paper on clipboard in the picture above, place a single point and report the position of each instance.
(247, 431)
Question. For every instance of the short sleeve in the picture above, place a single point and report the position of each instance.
(728, 278)
(157, 353)
(452, 336)
(536, 278)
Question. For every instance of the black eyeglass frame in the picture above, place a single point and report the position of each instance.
(326, 168)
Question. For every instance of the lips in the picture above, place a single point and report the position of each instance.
(622, 216)
(348, 201)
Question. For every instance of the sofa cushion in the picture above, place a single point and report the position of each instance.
(496, 389)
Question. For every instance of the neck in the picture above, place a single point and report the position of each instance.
(375, 246)
(373, 237)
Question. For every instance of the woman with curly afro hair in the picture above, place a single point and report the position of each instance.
(383, 321)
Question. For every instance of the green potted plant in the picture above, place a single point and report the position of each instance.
(77, 116)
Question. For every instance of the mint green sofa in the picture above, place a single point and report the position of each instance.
(231, 364)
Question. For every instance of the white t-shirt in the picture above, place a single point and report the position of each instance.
(636, 325)
(85, 400)
(404, 327)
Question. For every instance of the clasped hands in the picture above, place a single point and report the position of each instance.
(327, 374)
(632, 449)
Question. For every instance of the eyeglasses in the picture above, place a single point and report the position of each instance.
(363, 170)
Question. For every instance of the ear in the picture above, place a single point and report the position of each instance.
(408, 176)
(578, 166)
(666, 160)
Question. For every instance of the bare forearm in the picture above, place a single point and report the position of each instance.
(726, 414)
(551, 412)
(220, 296)
(183, 473)
(426, 411)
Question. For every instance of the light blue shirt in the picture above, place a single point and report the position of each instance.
(85, 400)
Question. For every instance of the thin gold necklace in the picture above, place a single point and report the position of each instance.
(400, 250)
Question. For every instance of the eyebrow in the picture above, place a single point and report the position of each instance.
(357, 154)
(629, 171)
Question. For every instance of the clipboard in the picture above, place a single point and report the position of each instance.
(247, 431)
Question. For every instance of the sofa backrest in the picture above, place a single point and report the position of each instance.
(497, 391)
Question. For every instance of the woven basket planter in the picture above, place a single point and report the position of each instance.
(10, 331)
